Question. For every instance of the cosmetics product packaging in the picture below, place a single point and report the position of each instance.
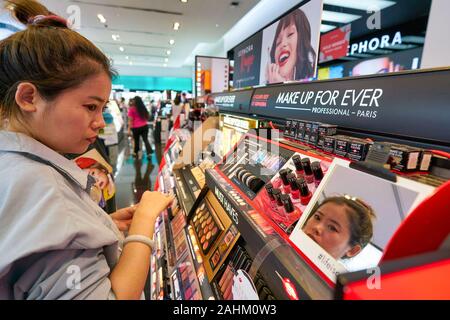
(425, 160)
(328, 143)
(403, 158)
(306, 164)
(308, 128)
(269, 189)
(298, 165)
(324, 131)
(295, 192)
(287, 129)
(284, 179)
(305, 194)
(341, 145)
(277, 194)
(314, 134)
(317, 172)
(293, 130)
(300, 130)
(254, 183)
(358, 149)
(287, 204)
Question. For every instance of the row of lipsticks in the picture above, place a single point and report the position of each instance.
(295, 184)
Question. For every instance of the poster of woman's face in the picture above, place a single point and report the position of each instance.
(351, 218)
(290, 45)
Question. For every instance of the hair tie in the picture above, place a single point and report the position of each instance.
(35, 20)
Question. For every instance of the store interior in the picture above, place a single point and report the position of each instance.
(318, 183)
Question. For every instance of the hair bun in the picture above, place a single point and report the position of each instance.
(31, 12)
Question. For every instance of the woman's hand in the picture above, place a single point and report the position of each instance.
(123, 217)
(273, 73)
(153, 203)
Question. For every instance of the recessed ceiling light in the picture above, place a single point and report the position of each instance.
(176, 26)
(171, 42)
(361, 5)
(116, 37)
(122, 49)
(101, 18)
(131, 63)
(168, 52)
(165, 65)
(166, 60)
(127, 57)
(184, 1)
(339, 16)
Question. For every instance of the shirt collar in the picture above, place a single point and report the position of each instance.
(23, 144)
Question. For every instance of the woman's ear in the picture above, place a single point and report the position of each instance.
(353, 251)
(27, 96)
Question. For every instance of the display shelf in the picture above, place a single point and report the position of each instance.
(288, 275)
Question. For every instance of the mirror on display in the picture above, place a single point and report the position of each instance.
(351, 218)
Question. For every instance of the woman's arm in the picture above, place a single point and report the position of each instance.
(129, 276)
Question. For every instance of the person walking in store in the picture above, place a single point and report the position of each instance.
(56, 242)
(138, 117)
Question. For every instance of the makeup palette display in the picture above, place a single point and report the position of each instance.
(214, 232)
(185, 278)
(180, 244)
(178, 223)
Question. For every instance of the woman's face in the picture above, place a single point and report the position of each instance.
(330, 228)
(71, 122)
(286, 51)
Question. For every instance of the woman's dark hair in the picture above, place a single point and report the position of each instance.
(140, 107)
(177, 99)
(306, 56)
(47, 54)
(360, 216)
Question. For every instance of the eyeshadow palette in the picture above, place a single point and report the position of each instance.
(180, 244)
(206, 227)
(188, 279)
(177, 224)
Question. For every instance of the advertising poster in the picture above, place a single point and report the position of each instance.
(247, 58)
(290, 45)
(334, 44)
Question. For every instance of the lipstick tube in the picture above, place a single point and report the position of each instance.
(295, 191)
(305, 194)
(284, 179)
(317, 172)
(306, 163)
(298, 165)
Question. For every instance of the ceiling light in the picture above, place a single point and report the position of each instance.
(168, 52)
(184, 1)
(165, 65)
(122, 49)
(127, 57)
(101, 18)
(339, 16)
(131, 63)
(326, 27)
(171, 42)
(361, 5)
(116, 37)
(176, 26)
(166, 60)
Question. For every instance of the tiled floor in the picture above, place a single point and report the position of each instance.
(133, 175)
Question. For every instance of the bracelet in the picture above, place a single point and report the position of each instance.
(139, 238)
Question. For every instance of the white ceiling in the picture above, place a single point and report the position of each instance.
(146, 26)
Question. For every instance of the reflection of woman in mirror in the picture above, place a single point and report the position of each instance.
(291, 56)
(341, 225)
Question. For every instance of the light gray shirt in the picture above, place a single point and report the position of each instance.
(55, 242)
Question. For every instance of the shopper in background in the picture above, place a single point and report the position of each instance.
(177, 106)
(341, 225)
(138, 117)
(54, 84)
